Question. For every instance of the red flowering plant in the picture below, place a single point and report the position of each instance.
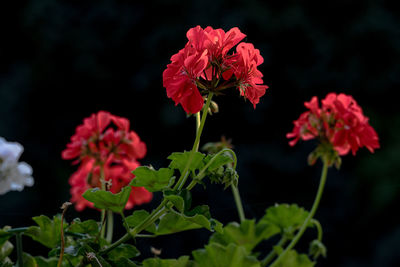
(110, 178)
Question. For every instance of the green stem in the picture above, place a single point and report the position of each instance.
(310, 215)
(20, 252)
(197, 126)
(160, 210)
(103, 211)
(202, 171)
(319, 228)
(110, 225)
(272, 254)
(185, 173)
(157, 213)
(238, 202)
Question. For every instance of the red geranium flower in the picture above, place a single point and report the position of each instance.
(105, 141)
(206, 65)
(340, 122)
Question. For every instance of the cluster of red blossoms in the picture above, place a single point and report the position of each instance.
(339, 122)
(205, 64)
(105, 147)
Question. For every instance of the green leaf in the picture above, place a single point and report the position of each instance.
(5, 250)
(43, 262)
(247, 234)
(28, 260)
(4, 235)
(153, 180)
(198, 217)
(288, 218)
(48, 233)
(218, 160)
(182, 200)
(137, 217)
(124, 262)
(179, 161)
(174, 222)
(216, 255)
(89, 227)
(182, 261)
(293, 259)
(106, 200)
(123, 251)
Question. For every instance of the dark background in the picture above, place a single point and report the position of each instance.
(64, 60)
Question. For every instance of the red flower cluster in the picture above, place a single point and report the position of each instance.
(104, 143)
(205, 63)
(339, 122)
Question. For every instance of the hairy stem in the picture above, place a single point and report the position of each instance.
(310, 215)
(110, 225)
(20, 260)
(185, 173)
(272, 254)
(238, 202)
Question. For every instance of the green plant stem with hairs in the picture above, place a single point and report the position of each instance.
(161, 210)
(310, 215)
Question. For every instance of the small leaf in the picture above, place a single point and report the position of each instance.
(293, 259)
(216, 255)
(43, 262)
(106, 200)
(218, 160)
(151, 179)
(137, 217)
(123, 251)
(4, 235)
(181, 200)
(247, 234)
(48, 232)
(288, 218)
(182, 261)
(28, 260)
(89, 227)
(5, 250)
(124, 262)
(179, 161)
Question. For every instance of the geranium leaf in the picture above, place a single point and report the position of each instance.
(174, 222)
(288, 218)
(89, 227)
(28, 260)
(217, 255)
(153, 180)
(5, 250)
(4, 235)
(48, 233)
(182, 200)
(43, 262)
(247, 234)
(179, 161)
(137, 217)
(123, 251)
(124, 262)
(182, 261)
(218, 160)
(106, 200)
(293, 259)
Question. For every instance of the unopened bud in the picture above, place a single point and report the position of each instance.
(65, 205)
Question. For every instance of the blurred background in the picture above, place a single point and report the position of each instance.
(64, 60)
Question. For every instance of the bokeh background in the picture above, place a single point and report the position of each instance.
(64, 60)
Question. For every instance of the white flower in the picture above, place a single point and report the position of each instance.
(14, 175)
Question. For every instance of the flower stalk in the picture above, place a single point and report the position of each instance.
(310, 215)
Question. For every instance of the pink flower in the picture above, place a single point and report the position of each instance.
(105, 141)
(205, 65)
(340, 122)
